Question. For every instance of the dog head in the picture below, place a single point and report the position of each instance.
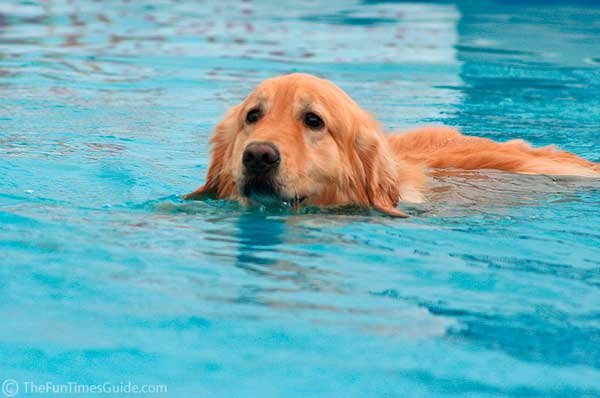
(300, 140)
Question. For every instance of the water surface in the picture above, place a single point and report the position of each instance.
(491, 289)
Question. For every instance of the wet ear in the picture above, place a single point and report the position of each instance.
(378, 168)
(219, 182)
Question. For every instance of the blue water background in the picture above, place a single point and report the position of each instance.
(492, 289)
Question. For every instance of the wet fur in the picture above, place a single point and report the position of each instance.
(354, 162)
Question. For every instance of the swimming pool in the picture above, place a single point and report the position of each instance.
(492, 289)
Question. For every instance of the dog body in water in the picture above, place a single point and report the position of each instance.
(301, 140)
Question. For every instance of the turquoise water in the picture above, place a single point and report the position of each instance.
(492, 289)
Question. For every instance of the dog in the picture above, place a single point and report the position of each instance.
(300, 140)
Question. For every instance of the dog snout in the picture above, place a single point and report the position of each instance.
(261, 157)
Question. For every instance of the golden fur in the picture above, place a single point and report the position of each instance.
(351, 160)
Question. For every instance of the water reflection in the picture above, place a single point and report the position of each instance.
(273, 246)
(258, 234)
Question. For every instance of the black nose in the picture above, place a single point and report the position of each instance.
(261, 157)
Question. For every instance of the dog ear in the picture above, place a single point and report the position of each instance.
(219, 182)
(377, 169)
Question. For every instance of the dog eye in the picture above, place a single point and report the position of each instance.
(253, 116)
(313, 121)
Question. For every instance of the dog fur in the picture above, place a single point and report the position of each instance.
(350, 161)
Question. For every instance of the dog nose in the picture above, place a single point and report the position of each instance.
(261, 157)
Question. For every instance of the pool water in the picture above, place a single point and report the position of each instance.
(491, 289)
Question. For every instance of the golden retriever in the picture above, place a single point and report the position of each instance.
(301, 140)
